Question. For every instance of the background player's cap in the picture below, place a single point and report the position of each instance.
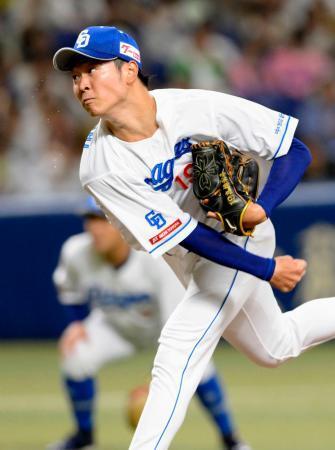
(91, 209)
(101, 43)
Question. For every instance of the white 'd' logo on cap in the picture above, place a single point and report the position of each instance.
(83, 39)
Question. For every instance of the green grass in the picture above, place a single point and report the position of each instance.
(290, 408)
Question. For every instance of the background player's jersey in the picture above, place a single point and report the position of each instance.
(146, 185)
(136, 298)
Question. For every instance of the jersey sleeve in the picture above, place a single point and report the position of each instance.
(252, 127)
(152, 217)
(65, 279)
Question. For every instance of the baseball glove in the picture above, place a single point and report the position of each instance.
(225, 181)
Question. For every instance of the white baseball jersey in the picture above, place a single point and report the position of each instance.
(136, 298)
(146, 185)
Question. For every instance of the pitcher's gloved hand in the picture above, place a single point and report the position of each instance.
(225, 181)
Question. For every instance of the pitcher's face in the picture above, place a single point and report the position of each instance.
(99, 86)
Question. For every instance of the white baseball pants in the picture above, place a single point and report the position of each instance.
(242, 309)
(102, 346)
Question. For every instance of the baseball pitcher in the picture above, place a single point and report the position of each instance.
(137, 163)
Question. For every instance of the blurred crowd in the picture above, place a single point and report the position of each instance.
(280, 53)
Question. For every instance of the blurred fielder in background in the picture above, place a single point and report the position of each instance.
(130, 297)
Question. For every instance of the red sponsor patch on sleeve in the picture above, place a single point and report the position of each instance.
(168, 230)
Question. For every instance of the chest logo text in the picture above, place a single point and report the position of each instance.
(162, 173)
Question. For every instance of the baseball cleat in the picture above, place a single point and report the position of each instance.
(79, 441)
(65, 445)
(240, 446)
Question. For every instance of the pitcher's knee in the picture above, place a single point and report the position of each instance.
(266, 359)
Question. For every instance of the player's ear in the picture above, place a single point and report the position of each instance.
(132, 71)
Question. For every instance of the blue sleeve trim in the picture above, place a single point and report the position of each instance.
(271, 269)
(286, 172)
(210, 244)
(282, 139)
(171, 237)
(264, 206)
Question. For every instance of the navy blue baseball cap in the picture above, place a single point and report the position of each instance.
(101, 43)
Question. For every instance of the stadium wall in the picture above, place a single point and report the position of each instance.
(32, 231)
